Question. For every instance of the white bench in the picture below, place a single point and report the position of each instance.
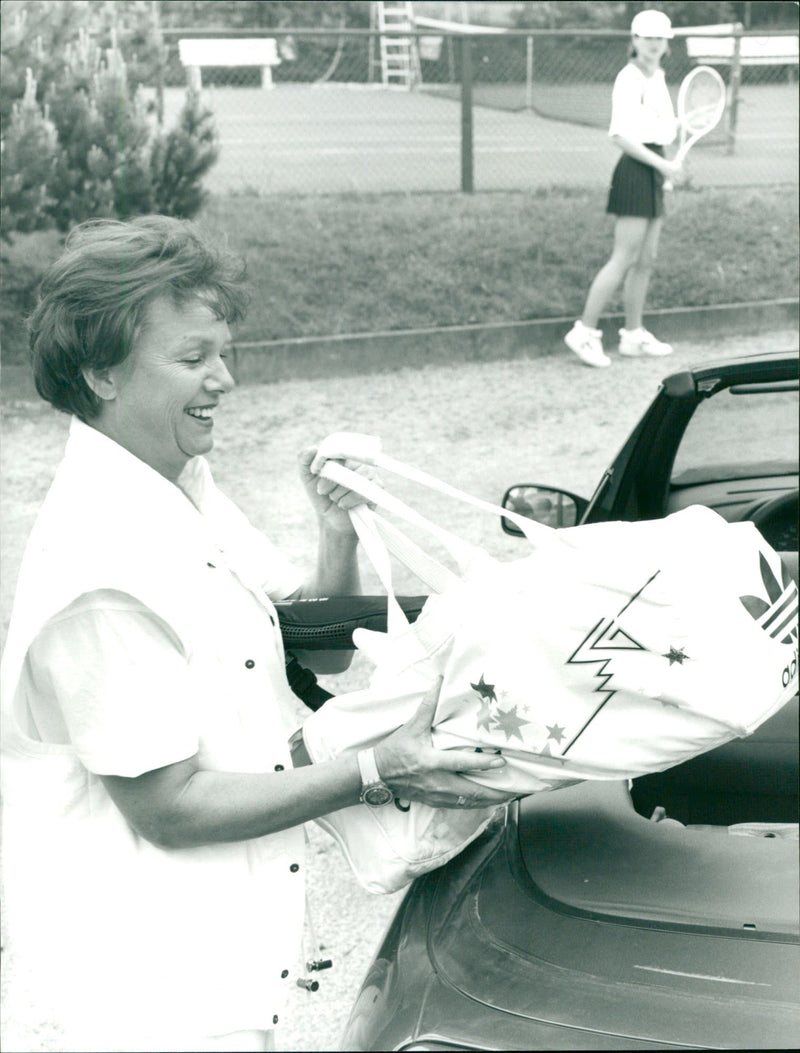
(250, 51)
(753, 51)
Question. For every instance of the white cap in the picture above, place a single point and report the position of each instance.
(652, 24)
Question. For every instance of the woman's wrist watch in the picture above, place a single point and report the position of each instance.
(374, 790)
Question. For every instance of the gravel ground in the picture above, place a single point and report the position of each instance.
(481, 426)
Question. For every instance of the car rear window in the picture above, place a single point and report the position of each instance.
(743, 428)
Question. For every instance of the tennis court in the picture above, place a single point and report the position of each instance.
(340, 138)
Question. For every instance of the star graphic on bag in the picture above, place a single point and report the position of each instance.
(555, 732)
(676, 655)
(509, 723)
(484, 690)
(485, 715)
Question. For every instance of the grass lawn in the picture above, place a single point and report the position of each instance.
(328, 265)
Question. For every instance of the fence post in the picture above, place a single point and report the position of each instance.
(736, 81)
(161, 60)
(529, 73)
(467, 159)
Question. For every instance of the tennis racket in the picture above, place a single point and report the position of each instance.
(701, 104)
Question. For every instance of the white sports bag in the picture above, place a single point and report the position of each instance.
(609, 651)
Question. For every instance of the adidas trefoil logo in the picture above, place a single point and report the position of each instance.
(777, 615)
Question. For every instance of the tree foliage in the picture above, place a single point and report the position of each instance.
(605, 14)
(29, 158)
(278, 14)
(79, 138)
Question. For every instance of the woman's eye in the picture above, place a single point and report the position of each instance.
(193, 361)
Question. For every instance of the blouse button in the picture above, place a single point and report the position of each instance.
(284, 973)
(249, 663)
(275, 1019)
(278, 767)
(294, 867)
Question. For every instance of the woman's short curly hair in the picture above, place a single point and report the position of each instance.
(93, 298)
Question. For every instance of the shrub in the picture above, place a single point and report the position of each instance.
(80, 141)
(29, 157)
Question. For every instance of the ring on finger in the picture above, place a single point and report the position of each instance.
(461, 802)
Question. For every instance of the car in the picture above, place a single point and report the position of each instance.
(654, 913)
(723, 436)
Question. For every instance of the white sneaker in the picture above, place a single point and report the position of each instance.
(587, 344)
(638, 342)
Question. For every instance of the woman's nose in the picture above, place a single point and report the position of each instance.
(219, 377)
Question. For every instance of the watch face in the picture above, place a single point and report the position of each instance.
(377, 795)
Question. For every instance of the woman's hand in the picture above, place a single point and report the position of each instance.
(415, 770)
(330, 501)
(673, 171)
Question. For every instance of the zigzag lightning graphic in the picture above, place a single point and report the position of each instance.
(592, 642)
(596, 634)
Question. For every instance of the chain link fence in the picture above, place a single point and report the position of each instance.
(313, 112)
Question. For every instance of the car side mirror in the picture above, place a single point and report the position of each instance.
(555, 508)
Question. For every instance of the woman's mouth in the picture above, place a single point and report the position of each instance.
(201, 413)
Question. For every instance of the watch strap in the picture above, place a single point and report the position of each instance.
(368, 767)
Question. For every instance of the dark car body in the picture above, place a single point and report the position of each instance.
(660, 913)
(580, 924)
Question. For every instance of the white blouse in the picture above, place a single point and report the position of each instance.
(143, 633)
(641, 107)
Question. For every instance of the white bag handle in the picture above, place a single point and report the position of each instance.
(378, 555)
(367, 449)
(378, 536)
(429, 570)
(371, 529)
(462, 551)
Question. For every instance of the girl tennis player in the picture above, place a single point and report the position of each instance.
(642, 124)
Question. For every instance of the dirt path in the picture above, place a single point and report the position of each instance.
(483, 427)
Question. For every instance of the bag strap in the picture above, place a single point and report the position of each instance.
(429, 570)
(366, 449)
(378, 555)
(463, 552)
(379, 537)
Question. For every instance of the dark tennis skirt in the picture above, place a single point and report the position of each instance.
(637, 189)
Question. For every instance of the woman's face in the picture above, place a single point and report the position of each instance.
(161, 400)
(650, 49)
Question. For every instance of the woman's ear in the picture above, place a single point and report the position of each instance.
(101, 382)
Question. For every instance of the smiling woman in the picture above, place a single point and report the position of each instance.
(93, 300)
(159, 401)
(147, 709)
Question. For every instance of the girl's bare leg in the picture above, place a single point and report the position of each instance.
(630, 234)
(638, 277)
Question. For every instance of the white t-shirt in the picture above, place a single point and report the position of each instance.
(641, 107)
(141, 635)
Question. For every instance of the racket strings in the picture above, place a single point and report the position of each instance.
(702, 103)
(701, 117)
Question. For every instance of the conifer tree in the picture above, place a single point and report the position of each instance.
(29, 157)
(81, 142)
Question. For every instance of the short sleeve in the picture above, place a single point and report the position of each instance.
(117, 677)
(626, 102)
